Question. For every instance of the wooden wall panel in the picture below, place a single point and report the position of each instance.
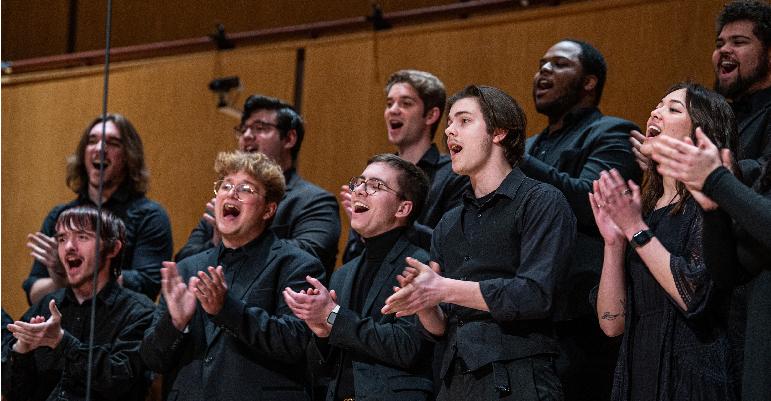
(648, 44)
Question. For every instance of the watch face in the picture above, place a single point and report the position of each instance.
(641, 238)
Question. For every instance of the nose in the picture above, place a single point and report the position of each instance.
(546, 67)
(655, 113)
(450, 130)
(248, 133)
(69, 243)
(393, 109)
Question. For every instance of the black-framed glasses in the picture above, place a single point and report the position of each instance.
(245, 192)
(371, 186)
(257, 127)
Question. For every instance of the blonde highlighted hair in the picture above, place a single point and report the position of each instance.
(262, 168)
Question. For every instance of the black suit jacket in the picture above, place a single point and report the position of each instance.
(307, 216)
(391, 358)
(590, 143)
(253, 348)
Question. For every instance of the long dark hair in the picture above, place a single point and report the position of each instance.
(714, 115)
(137, 175)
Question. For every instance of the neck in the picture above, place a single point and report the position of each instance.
(107, 191)
(557, 121)
(756, 87)
(234, 242)
(670, 192)
(84, 292)
(490, 178)
(414, 152)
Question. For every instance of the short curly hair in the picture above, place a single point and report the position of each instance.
(757, 12)
(262, 168)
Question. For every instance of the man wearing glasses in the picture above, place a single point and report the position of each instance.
(370, 354)
(307, 215)
(413, 110)
(225, 332)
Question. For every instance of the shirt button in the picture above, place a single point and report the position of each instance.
(460, 323)
(479, 215)
(467, 258)
(208, 359)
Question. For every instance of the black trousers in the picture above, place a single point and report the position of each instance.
(527, 379)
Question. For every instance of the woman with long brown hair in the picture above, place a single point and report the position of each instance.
(657, 292)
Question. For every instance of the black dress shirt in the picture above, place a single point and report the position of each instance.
(444, 193)
(753, 119)
(148, 239)
(60, 374)
(516, 243)
(570, 159)
(307, 216)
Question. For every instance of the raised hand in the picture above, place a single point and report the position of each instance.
(210, 289)
(420, 288)
(345, 200)
(45, 250)
(208, 216)
(608, 229)
(620, 201)
(312, 306)
(686, 162)
(38, 332)
(640, 149)
(180, 301)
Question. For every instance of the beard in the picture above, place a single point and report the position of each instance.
(559, 106)
(739, 87)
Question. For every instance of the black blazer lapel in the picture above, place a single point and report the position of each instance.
(210, 328)
(344, 294)
(394, 264)
(257, 264)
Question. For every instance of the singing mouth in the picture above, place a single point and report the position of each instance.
(652, 131)
(359, 207)
(394, 124)
(455, 148)
(229, 210)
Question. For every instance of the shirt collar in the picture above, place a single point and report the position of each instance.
(106, 295)
(508, 188)
(247, 249)
(431, 157)
(122, 195)
(572, 118)
(753, 101)
(290, 177)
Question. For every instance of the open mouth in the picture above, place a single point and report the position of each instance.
(100, 165)
(727, 66)
(230, 210)
(455, 148)
(652, 131)
(395, 124)
(251, 148)
(73, 262)
(544, 84)
(359, 207)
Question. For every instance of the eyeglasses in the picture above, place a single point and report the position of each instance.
(244, 192)
(371, 186)
(257, 127)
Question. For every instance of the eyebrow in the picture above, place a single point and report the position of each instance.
(677, 101)
(457, 113)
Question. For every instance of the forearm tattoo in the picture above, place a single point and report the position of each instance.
(614, 316)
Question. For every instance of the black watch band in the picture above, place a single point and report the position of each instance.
(641, 238)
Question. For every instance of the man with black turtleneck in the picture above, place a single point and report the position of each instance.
(366, 352)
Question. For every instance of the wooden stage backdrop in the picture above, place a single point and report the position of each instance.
(648, 45)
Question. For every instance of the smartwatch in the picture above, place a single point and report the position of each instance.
(641, 238)
(333, 315)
